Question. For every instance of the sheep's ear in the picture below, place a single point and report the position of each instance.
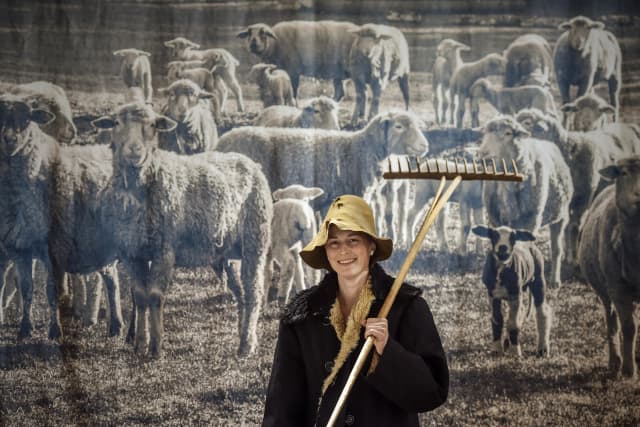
(42, 117)
(192, 44)
(565, 26)
(118, 52)
(524, 236)
(569, 108)
(596, 24)
(610, 173)
(313, 192)
(519, 131)
(143, 53)
(464, 47)
(542, 125)
(203, 94)
(164, 124)
(607, 108)
(104, 122)
(482, 231)
(243, 34)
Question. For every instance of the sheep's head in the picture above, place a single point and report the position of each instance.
(179, 45)
(590, 112)
(449, 47)
(579, 29)
(494, 63)
(500, 132)
(299, 192)
(399, 133)
(258, 71)
(260, 38)
(503, 241)
(626, 174)
(536, 122)
(61, 127)
(368, 39)
(320, 113)
(135, 129)
(130, 54)
(183, 94)
(479, 88)
(16, 128)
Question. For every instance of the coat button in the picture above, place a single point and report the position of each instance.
(349, 420)
(328, 366)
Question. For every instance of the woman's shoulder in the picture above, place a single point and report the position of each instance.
(298, 308)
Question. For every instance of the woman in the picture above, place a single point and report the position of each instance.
(323, 328)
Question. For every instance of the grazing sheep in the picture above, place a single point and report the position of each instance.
(188, 106)
(294, 223)
(446, 63)
(379, 54)
(274, 85)
(543, 197)
(608, 257)
(219, 61)
(135, 70)
(509, 100)
(464, 77)
(205, 79)
(585, 154)
(528, 61)
(289, 45)
(510, 270)
(589, 112)
(319, 113)
(586, 54)
(52, 98)
(210, 209)
(336, 161)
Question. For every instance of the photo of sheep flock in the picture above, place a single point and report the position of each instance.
(163, 162)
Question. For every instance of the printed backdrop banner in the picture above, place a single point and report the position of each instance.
(98, 211)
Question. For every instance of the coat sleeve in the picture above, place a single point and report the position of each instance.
(286, 403)
(412, 371)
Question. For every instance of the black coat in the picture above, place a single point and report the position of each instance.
(411, 376)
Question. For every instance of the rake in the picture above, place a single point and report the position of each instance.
(414, 168)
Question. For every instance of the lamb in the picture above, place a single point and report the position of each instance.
(586, 54)
(543, 197)
(320, 113)
(287, 43)
(219, 61)
(528, 61)
(293, 225)
(205, 79)
(608, 253)
(462, 80)
(585, 153)
(52, 98)
(446, 63)
(338, 162)
(589, 112)
(135, 70)
(379, 54)
(209, 209)
(274, 85)
(189, 106)
(510, 270)
(509, 100)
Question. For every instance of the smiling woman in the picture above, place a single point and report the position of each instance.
(322, 329)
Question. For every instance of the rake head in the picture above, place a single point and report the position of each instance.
(415, 168)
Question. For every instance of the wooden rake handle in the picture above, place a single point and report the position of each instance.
(436, 206)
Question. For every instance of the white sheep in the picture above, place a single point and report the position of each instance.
(219, 61)
(210, 209)
(464, 77)
(586, 54)
(319, 112)
(274, 85)
(448, 60)
(528, 61)
(588, 112)
(135, 70)
(338, 162)
(208, 81)
(542, 199)
(509, 100)
(608, 257)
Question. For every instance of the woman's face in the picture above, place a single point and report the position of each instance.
(348, 252)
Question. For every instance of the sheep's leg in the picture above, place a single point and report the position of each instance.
(460, 110)
(565, 88)
(437, 101)
(234, 285)
(441, 230)
(285, 282)
(497, 323)
(338, 90)
(93, 285)
(514, 323)
(112, 285)
(475, 111)
(234, 86)
(299, 273)
(55, 283)
(556, 236)
(629, 328)
(376, 91)
(79, 296)
(138, 272)
(403, 82)
(614, 90)
(613, 335)
(455, 100)
(160, 277)
(361, 100)
(465, 226)
(7, 285)
(131, 332)
(478, 218)
(543, 324)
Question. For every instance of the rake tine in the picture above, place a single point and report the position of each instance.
(399, 166)
(504, 165)
(493, 164)
(418, 164)
(484, 165)
(409, 163)
(389, 164)
(515, 167)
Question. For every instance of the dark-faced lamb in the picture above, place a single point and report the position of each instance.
(274, 85)
(210, 209)
(513, 269)
(205, 79)
(588, 112)
(319, 113)
(608, 257)
(447, 61)
(135, 70)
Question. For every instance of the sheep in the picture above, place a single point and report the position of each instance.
(513, 266)
(528, 61)
(509, 100)
(589, 112)
(543, 197)
(585, 153)
(293, 224)
(219, 61)
(379, 54)
(58, 193)
(135, 70)
(48, 96)
(209, 209)
(205, 79)
(188, 105)
(446, 63)
(608, 253)
(586, 54)
(274, 85)
(320, 113)
(288, 45)
(463, 78)
(338, 162)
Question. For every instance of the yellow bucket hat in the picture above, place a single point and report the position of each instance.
(350, 213)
